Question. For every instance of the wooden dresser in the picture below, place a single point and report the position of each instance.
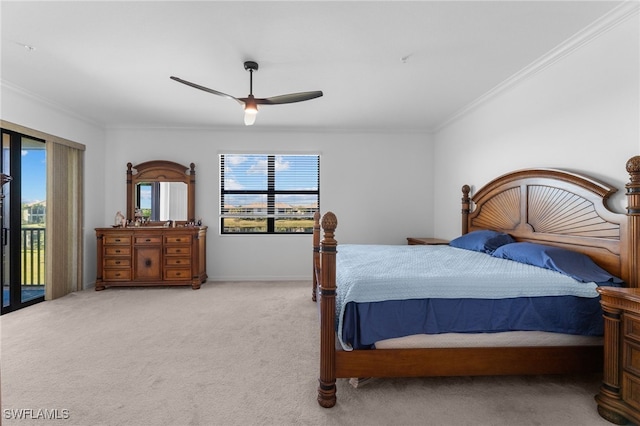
(144, 256)
(619, 396)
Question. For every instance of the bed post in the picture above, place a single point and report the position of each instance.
(633, 214)
(316, 254)
(466, 208)
(327, 380)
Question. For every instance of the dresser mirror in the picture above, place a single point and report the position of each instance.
(161, 191)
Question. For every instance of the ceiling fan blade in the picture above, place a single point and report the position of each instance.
(206, 89)
(288, 99)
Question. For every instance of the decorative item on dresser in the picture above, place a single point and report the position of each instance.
(160, 245)
(563, 213)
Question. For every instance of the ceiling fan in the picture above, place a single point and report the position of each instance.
(251, 103)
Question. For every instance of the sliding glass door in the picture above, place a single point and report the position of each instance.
(22, 270)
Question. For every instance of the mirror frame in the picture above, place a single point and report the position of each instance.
(161, 171)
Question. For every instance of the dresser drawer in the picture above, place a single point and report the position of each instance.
(177, 239)
(177, 261)
(178, 251)
(117, 262)
(117, 251)
(177, 274)
(117, 239)
(148, 239)
(117, 274)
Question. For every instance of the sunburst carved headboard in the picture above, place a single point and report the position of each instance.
(557, 208)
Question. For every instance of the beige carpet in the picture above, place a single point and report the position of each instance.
(239, 353)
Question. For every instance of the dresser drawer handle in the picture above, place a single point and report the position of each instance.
(117, 262)
(178, 251)
(148, 240)
(117, 240)
(118, 274)
(178, 239)
(117, 251)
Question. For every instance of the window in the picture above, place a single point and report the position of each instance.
(268, 194)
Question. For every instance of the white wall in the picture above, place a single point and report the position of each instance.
(21, 108)
(378, 185)
(581, 113)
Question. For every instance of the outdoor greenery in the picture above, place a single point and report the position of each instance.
(32, 274)
(234, 224)
(32, 251)
(32, 254)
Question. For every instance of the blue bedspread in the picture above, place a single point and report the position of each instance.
(377, 273)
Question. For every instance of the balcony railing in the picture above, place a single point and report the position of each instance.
(32, 256)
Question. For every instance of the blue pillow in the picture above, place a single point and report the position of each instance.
(576, 265)
(485, 241)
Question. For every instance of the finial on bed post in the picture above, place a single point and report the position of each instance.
(633, 214)
(316, 253)
(466, 208)
(327, 379)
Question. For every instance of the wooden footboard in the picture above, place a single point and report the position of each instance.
(510, 204)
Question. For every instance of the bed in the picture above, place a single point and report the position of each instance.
(548, 207)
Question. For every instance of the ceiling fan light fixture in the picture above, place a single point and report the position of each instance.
(250, 116)
(250, 111)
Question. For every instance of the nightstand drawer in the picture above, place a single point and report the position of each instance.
(631, 357)
(632, 327)
(631, 390)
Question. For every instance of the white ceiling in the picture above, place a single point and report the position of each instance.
(381, 65)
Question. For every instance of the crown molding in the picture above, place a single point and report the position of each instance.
(49, 103)
(600, 26)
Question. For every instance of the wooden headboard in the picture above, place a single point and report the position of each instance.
(562, 209)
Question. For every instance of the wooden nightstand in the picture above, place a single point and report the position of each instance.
(426, 241)
(619, 396)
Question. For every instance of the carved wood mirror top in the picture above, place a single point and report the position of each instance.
(161, 172)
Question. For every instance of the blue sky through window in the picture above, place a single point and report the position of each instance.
(34, 175)
(249, 172)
